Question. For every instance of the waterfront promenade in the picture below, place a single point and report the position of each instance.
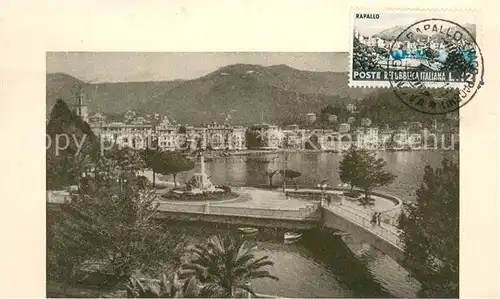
(271, 208)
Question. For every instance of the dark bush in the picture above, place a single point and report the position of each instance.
(205, 196)
(353, 194)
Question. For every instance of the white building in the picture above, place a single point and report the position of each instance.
(351, 108)
(344, 128)
(167, 135)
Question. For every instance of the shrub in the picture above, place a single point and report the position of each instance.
(353, 194)
(225, 194)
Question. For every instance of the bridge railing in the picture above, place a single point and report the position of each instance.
(385, 231)
(207, 208)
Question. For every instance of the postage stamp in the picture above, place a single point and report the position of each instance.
(415, 52)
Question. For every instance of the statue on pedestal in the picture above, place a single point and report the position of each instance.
(200, 182)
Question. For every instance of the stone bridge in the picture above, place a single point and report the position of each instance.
(266, 208)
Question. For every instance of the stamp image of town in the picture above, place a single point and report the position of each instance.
(391, 46)
(244, 175)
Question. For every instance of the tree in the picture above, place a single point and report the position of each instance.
(113, 228)
(126, 159)
(270, 175)
(168, 286)
(347, 168)
(362, 169)
(172, 163)
(431, 232)
(224, 265)
(149, 157)
(70, 141)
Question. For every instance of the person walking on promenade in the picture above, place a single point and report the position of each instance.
(374, 219)
(328, 200)
(379, 217)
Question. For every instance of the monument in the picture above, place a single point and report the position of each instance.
(200, 182)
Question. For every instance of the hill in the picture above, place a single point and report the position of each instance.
(250, 93)
(105, 97)
(246, 92)
(392, 33)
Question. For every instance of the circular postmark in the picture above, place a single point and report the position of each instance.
(435, 66)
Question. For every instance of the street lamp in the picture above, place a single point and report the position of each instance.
(323, 185)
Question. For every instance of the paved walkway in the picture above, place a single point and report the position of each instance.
(351, 210)
(261, 199)
(384, 230)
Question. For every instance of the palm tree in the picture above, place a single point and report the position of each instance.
(226, 264)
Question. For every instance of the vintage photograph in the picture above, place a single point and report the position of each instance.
(248, 175)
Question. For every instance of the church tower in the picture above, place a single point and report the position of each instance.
(81, 107)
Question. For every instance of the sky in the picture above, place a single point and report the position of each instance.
(150, 66)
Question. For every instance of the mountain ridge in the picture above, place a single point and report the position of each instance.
(243, 92)
(393, 33)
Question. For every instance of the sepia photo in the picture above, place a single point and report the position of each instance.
(243, 174)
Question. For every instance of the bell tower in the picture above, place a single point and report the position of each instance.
(81, 107)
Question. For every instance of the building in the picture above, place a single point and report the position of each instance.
(140, 121)
(81, 107)
(129, 115)
(351, 108)
(167, 135)
(219, 136)
(328, 140)
(124, 135)
(311, 118)
(97, 118)
(400, 138)
(385, 137)
(344, 128)
(264, 136)
(366, 122)
(294, 138)
(332, 118)
(216, 137)
(368, 138)
(238, 138)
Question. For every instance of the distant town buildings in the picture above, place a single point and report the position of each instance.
(311, 118)
(332, 118)
(366, 122)
(351, 108)
(264, 136)
(139, 132)
(344, 128)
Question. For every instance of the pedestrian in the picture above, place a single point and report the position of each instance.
(328, 199)
(374, 219)
(379, 216)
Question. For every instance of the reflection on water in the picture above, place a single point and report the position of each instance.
(319, 265)
(315, 167)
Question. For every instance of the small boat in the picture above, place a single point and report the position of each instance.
(340, 234)
(248, 230)
(291, 237)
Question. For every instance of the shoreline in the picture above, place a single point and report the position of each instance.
(248, 152)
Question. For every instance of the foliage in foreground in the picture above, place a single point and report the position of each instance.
(431, 232)
(225, 265)
(110, 229)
